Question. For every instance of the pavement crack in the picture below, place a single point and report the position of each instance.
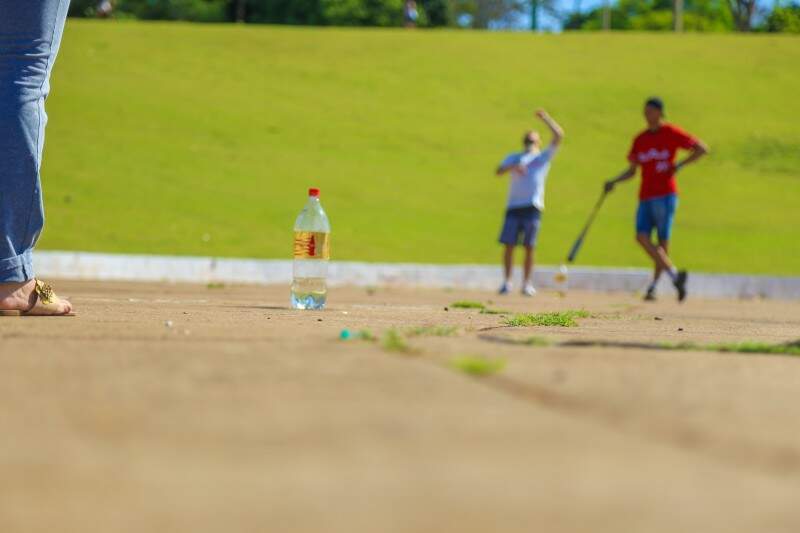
(773, 459)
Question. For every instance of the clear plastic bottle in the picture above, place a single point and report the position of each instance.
(561, 280)
(312, 251)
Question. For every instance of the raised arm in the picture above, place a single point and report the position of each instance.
(555, 129)
(624, 176)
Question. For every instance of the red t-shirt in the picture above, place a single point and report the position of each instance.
(654, 151)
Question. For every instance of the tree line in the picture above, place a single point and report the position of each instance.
(644, 15)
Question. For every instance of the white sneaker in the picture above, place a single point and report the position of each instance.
(505, 288)
(528, 290)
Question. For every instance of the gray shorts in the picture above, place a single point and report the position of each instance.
(521, 226)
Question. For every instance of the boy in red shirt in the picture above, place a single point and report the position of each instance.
(654, 151)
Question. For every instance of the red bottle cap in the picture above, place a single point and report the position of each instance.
(313, 192)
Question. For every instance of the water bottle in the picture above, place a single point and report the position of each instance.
(561, 280)
(312, 251)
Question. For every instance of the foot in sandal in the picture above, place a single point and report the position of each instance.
(31, 298)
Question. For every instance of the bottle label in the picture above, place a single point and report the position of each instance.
(312, 245)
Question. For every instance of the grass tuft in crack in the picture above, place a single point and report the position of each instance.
(367, 335)
(755, 347)
(558, 318)
(535, 341)
(789, 348)
(477, 365)
(467, 304)
(487, 311)
(432, 331)
(393, 341)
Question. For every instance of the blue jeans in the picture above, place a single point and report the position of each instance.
(30, 33)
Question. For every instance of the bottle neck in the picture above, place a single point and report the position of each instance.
(314, 205)
(312, 217)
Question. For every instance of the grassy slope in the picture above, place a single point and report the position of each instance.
(162, 133)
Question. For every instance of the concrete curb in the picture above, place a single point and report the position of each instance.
(124, 267)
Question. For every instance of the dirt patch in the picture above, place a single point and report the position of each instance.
(179, 407)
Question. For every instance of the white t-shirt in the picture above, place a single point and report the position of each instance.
(527, 188)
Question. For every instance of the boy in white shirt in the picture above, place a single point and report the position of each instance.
(528, 171)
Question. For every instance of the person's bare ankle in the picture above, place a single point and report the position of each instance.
(17, 296)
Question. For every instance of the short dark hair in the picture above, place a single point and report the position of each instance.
(655, 101)
(527, 134)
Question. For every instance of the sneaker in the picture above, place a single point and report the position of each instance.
(505, 288)
(680, 284)
(650, 295)
(528, 290)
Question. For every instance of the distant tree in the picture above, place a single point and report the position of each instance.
(322, 12)
(655, 15)
(239, 10)
(298, 12)
(457, 11)
(190, 10)
(362, 12)
(82, 8)
(500, 12)
(784, 19)
(743, 11)
(437, 12)
(446, 12)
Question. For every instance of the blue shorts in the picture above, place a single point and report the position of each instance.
(657, 213)
(521, 226)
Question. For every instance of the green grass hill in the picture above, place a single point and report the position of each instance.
(202, 140)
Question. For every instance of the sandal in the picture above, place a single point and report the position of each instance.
(47, 303)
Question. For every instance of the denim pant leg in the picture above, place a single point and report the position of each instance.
(30, 34)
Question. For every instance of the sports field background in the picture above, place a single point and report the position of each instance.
(202, 140)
